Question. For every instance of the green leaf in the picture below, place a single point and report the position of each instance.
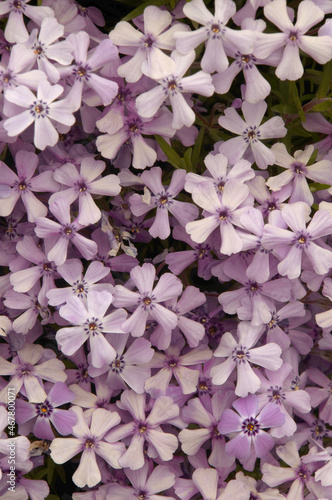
(323, 106)
(139, 10)
(325, 82)
(40, 473)
(284, 109)
(316, 186)
(171, 154)
(50, 469)
(186, 161)
(197, 148)
(294, 94)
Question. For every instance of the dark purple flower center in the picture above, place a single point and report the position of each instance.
(240, 354)
(299, 168)
(148, 41)
(318, 429)
(276, 395)
(215, 29)
(251, 134)
(39, 109)
(118, 365)
(80, 288)
(89, 443)
(302, 473)
(250, 426)
(82, 71)
(93, 326)
(44, 409)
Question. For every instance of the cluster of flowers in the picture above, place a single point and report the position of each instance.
(148, 386)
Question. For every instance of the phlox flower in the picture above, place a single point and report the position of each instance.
(208, 419)
(300, 239)
(130, 366)
(42, 110)
(15, 30)
(63, 232)
(251, 132)
(89, 401)
(243, 486)
(171, 87)
(215, 31)
(277, 389)
(144, 428)
(91, 323)
(144, 155)
(29, 367)
(164, 200)
(172, 364)
(72, 272)
(148, 58)
(297, 172)
(220, 213)
(315, 122)
(45, 47)
(147, 300)
(293, 38)
(89, 439)
(38, 417)
(240, 354)
(249, 423)
(24, 488)
(321, 395)
(323, 474)
(23, 185)
(299, 473)
(83, 184)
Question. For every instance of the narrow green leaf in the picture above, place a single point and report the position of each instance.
(316, 186)
(171, 154)
(50, 469)
(284, 109)
(325, 82)
(323, 106)
(139, 10)
(39, 474)
(294, 94)
(197, 148)
(187, 163)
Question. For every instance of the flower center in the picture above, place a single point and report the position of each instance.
(240, 354)
(298, 168)
(250, 426)
(89, 443)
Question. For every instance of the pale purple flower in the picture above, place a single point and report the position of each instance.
(293, 38)
(148, 58)
(90, 401)
(42, 110)
(241, 354)
(323, 474)
(315, 122)
(89, 439)
(27, 372)
(297, 172)
(24, 184)
(15, 30)
(72, 272)
(63, 232)
(250, 133)
(83, 184)
(300, 239)
(45, 47)
(220, 213)
(215, 32)
(144, 428)
(39, 416)
(244, 488)
(249, 423)
(321, 395)
(91, 324)
(147, 300)
(164, 201)
(171, 87)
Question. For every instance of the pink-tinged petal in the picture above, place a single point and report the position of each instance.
(214, 58)
(46, 228)
(106, 89)
(271, 416)
(67, 174)
(18, 123)
(206, 481)
(95, 272)
(44, 182)
(143, 277)
(45, 133)
(167, 287)
(63, 449)
(186, 42)
(134, 457)
(74, 311)
(192, 440)
(34, 207)
(23, 281)
(278, 289)
(223, 80)
(70, 339)
(230, 422)
(98, 303)
(86, 247)
(166, 318)
(275, 475)
(300, 400)
(289, 454)
(107, 186)
(163, 410)
(160, 479)
(102, 421)
(274, 127)
(178, 261)
(187, 379)
(239, 447)
(290, 266)
(60, 394)
(230, 240)
(197, 11)
(157, 64)
(125, 34)
(307, 16)
(193, 331)
(164, 443)
(254, 113)
(206, 197)
(246, 407)
(143, 154)
(42, 429)
(226, 346)
(295, 215)
(267, 356)
(234, 148)
(257, 88)
(321, 258)
(109, 145)
(156, 20)
(112, 323)
(136, 376)
(221, 373)
(232, 121)
(34, 390)
(7, 204)
(290, 66)
(111, 453)
(319, 48)
(160, 227)
(278, 15)
(102, 353)
(88, 472)
(262, 154)
(134, 403)
(321, 224)
(274, 237)
(200, 230)
(147, 104)
(132, 69)
(247, 380)
(263, 443)
(136, 323)
(63, 421)
(124, 297)
(277, 182)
